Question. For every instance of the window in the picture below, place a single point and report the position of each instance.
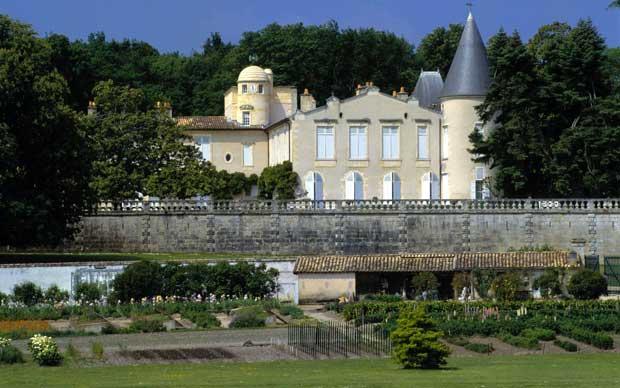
(444, 142)
(325, 143)
(354, 186)
(246, 118)
(244, 89)
(391, 147)
(422, 143)
(228, 157)
(391, 186)
(260, 89)
(314, 186)
(253, 88)
(357, 143)
(479, 190)
(430, 186)
(248, 157)
(203, 143)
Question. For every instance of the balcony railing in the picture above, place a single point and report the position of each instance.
(371, 206)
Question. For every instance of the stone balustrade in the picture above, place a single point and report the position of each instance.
(376, 206)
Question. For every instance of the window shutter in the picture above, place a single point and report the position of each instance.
(350, 187)
(310, 186)
(426, 187)
(387, 186)
(318, 187)
(486, 193)
(359, 187)
(396, 187)
(472, 189)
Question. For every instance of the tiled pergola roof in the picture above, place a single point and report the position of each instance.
(432, 262)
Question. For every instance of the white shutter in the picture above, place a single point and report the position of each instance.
(426, 187)
(359, 187)
(248, 158)
(472, 189)
(486, 193)
(445, 182)
(350, 187)
(363, 144)
(329, 141)
(387, 186)
(310, 185)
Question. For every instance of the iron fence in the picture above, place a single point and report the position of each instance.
(339, 339)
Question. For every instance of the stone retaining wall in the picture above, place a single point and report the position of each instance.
(353, 227)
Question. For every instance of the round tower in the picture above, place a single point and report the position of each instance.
(254, 89)
(465, 88)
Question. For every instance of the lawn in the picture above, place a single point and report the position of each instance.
(53, 257)
(519, 371)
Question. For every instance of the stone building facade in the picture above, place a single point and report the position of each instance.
(371, 145)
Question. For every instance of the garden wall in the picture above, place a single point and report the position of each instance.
(361, 227)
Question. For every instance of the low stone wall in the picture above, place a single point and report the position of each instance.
(352, 227)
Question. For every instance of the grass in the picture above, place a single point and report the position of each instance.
(54, 257)
(520, 371)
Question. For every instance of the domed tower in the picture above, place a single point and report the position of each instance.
(254, 89)
(465, 88)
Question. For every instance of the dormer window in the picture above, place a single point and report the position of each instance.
(244, 89)
(260, 89)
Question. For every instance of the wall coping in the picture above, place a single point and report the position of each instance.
(171, 206)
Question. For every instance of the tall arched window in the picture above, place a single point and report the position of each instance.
(354, 186)
(430, 186)
(314, 186)
(391, 186)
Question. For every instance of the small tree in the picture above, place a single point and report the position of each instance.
(27, 293)
(138, 280)
(55, 295)
(424, 283)
(587, 284)
(278, 181)
(87, 292)
(506, 286)
(416, 342)
(549, 283)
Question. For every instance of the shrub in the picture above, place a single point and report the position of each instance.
(520, 342)
(416, 342)
(424, 285)
(587, 284)
(248, 317)
(506, 287)
(539, 334)
(55, 295)
(458, 341)
(566, 345)
(9, 354)
(202, 319)
(479, 348)
(28, 293)
(4, 298)
(279, 181)
(97, 350)
(292, 311)
(138, 280)
(44, 350)
(549, 283)
(147, 326)
(87, 292)
(599, 340)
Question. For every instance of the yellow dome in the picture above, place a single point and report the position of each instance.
(253, 74)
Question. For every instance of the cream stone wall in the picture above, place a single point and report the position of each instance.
(230, 103)
(325, 286)
(460, 117)
(279, 144)
(372, 110)
(232, 141)
(283, 103)
(258, 104)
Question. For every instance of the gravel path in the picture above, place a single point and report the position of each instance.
(182, 339)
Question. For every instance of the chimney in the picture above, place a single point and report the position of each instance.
(358, 89)
(92, 108)
(306, 101)
(402, 95)
(393, 93)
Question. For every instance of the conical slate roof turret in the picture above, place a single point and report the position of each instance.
(469, 72)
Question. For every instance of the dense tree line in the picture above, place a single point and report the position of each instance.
(556, 103)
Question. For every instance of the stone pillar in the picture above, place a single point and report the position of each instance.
(466, 233)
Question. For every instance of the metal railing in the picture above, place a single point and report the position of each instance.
(299, 206)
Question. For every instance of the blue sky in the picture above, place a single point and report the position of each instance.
(183, 25)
